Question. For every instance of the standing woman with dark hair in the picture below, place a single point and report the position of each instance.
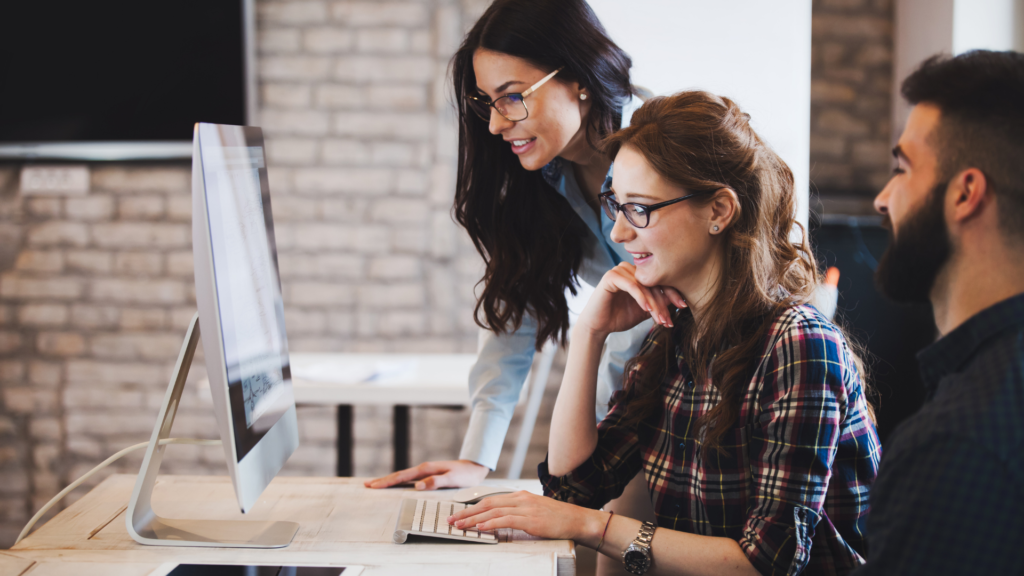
(538, 84)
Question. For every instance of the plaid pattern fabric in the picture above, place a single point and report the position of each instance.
(950, 492)
(791, 483)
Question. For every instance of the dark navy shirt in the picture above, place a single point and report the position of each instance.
(949, 498)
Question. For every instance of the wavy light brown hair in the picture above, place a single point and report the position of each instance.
(704, 143)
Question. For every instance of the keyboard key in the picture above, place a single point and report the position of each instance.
(417, 517)
(430, 517)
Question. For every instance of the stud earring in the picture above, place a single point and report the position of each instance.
(715, 228)
(583, 96)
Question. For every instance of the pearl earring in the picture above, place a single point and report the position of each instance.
(715, 228)
(583, 96)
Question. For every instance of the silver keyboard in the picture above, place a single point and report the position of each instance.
(429, 518)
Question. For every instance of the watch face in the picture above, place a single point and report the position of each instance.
(637, 562)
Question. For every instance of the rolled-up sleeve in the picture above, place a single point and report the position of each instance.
(602, 477)
(494, 386)
(801, 406)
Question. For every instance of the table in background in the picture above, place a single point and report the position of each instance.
(341, 522)
(419, 380)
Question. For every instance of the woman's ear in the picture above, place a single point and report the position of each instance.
(724, 208)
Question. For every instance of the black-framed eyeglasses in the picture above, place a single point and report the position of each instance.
(639, 215)
(511, 106)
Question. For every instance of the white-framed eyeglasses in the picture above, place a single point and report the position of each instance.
(511, 106)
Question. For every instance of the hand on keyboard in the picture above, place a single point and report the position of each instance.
(434, 475)
(536, 515)
(428, 518)
(431, 517)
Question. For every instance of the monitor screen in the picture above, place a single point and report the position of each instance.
(248, 286)
(119, 70)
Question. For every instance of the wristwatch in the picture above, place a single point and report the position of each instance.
(638, 555)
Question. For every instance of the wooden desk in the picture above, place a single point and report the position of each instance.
(413, 380)
(341, 523)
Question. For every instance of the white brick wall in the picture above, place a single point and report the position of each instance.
(96, 291)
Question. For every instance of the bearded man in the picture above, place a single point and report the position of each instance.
(949, 497)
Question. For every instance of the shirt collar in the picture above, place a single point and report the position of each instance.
(951, 352)
(552, 172)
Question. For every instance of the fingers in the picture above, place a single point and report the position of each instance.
(407, 475)
(467, 512)
(507, 501)
(434, 475)
(514, 522)
(385, 481)
(476, 519)
(675, 297)
(519, 510)
(438, 481)
(484, 520)
(661, 314)
(655, 301)
(621, 279)
(461, 514)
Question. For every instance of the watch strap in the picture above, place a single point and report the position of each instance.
(642, 546)
(646, 534)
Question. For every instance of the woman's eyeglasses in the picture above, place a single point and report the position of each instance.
(511, 106)
(639, 215)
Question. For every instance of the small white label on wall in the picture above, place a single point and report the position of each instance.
(52, 179)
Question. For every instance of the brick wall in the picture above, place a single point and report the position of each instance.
(851, 92)
(96, 290)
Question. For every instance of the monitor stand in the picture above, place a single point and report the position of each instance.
(148, 528)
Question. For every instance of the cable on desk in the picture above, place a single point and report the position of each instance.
(101, 466)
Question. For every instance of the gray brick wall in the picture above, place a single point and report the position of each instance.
(851, 91)
(96, 290)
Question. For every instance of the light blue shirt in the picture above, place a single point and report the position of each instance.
(505, 359)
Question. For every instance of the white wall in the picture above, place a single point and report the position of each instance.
(755, 52)
(928, 27)
(985, 24)
(923, 28)
(1018, 27)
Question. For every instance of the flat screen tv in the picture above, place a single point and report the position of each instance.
(121, 79)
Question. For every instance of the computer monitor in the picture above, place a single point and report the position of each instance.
(241, 318)
(241, 313)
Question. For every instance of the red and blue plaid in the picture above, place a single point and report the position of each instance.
(791, 480)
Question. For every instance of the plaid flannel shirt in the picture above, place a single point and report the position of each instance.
(791, 482)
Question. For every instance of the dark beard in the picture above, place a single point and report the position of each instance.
(907, 270)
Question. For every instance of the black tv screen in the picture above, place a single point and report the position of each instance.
(119, 70)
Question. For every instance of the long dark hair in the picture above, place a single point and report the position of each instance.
(704, 143)
(528, 235)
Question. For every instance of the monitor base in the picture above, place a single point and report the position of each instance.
(145, 527)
